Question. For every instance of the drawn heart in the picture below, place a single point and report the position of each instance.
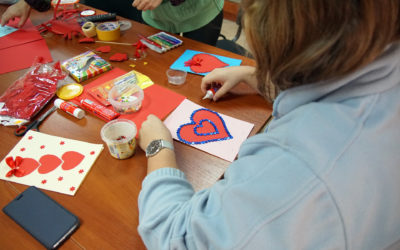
(48, 163)
(71, 159)
(204, 63)
(27, 166)
(205, 126)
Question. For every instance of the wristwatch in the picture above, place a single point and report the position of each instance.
(155, 146)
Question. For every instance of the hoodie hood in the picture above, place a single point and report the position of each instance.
(380, 75)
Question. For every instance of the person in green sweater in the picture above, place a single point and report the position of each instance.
(22, 9)
(200, 20)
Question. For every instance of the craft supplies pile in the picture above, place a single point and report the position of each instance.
(121, 99)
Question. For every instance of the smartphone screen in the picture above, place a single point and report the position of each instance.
(42, 217)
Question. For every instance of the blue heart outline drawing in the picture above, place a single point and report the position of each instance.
(178, 132)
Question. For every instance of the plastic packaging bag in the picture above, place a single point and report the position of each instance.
(30, 93)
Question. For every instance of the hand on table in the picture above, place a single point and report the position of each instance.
(146, 4)
(20, 9)
(227, 78)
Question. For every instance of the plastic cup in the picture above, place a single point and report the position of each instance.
(176, 77)
(126, 99)
(119, 135)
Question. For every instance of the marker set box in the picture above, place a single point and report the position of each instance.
(162, 42)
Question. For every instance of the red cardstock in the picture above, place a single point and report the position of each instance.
(157, 100)
(26, 34)
(22, 56)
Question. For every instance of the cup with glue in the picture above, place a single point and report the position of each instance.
(119, 135)
(126, 98)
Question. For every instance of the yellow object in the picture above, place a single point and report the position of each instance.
(89, 29)
(69, 91)
(132, 65)
(144, 63)
(108, 31)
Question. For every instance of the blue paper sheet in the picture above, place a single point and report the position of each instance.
(5, 30)
(202, 63)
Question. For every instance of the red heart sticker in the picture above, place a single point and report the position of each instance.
(205, 126)
(28, 165)
(203, 63)
(71, 159)
(48, 163)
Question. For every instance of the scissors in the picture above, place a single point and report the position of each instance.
(20, 131)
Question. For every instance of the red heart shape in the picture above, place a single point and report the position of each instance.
(104, 49)
(48, 163)
(205, 126)
(203, 63)
(27, 166)
(71, 159)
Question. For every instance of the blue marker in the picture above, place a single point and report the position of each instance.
(169, 38)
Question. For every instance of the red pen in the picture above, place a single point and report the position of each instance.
(149, 41)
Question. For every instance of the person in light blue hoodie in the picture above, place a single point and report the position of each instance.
(325, 174)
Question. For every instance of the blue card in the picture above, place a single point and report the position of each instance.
(202, 63)
(5, 30)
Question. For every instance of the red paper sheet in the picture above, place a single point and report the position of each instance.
(22, 56)
(28, 33)
(157, 100)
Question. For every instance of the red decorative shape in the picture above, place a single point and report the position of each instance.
(44, 181)
(42, 147)
(92, 153)
(72, 189)
(22, 149)
(86, 40)
(30, 137)
(71, 159)
(62, 143)
(60, 178)
(48, 163)
(119, 57)
(206, 126)
(81, 171)
(203, 63)
(104, 49)
(27, 166)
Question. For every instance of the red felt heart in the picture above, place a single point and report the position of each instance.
(205, 126)
(48, 163)
(27, 166)
(119, 57)
(71, 159)
(104, 49)
(86, 40)
(203, 63)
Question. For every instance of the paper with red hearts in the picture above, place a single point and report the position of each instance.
(207, 130)
(50, 162)
(202, 63)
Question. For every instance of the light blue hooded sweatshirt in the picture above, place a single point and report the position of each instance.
(324, 175)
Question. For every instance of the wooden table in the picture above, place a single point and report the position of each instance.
(106, 202)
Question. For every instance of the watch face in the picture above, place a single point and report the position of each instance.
(153, 147)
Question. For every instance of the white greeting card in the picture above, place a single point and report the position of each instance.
(207, 130)
(49, 162)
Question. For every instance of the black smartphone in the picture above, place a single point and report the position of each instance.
(42, 217)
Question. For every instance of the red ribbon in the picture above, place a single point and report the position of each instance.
(193, 62)
(14, 165)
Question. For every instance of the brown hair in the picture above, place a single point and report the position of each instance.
(296, 42)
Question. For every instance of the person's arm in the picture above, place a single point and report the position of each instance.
(144, 5)
(228, 78)
(154, 129)
(22, 10)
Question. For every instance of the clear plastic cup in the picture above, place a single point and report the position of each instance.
(126, 99)
(119, 135)
(176, 77)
